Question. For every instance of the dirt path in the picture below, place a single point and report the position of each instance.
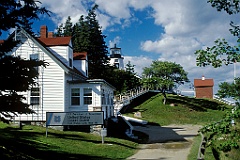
(171, 142)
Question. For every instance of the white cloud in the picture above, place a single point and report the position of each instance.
(119, 9)
(64, 8)
(139, 62)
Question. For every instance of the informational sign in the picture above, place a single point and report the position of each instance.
(74, 118)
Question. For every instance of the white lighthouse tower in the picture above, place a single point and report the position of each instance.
(116, 58)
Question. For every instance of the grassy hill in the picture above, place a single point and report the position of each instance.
(178, 110)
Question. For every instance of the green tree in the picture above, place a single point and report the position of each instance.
(230, 90)
(68, 27)
(16, 74)
(164, 76)
(59, 32)
(131, 79)
(96, 47)
(222, 53)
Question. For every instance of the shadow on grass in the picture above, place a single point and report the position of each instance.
(149, 96)
(25, 144)
(194, 103)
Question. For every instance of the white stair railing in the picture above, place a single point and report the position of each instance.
(125, 98)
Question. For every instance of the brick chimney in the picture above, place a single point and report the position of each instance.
(43, 32)
(50, 35)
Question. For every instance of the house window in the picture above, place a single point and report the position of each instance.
(35, 96)
(75, 96)
(35, 57)
(116, 65)
(70, 62)
(87, 95)
(103, 97)
(111, 99)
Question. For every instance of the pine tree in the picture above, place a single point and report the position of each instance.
(95, 45)
(59, 32)
(131, 80)
(16, 74)
(81, 40)
(68, 27)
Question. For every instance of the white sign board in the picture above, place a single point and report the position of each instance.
(74, 118)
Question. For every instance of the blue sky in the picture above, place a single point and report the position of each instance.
(167, 30)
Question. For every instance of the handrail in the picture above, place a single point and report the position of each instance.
(202, 146)
(124, 98)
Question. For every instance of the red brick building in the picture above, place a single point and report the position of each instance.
(203, 88)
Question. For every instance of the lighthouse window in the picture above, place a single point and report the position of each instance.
(115, 60)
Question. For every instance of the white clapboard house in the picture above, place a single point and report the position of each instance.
(63, 86)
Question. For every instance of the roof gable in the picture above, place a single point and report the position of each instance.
(203, 83)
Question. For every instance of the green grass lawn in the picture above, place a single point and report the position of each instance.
(31, 143)
(185, 110)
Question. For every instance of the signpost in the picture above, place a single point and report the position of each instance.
(103, 134)
(74, 118)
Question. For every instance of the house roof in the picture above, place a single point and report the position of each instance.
(50, 54)
(1, 41)
(80, 56)
(55, 41)
(203, 83)
(97, 81)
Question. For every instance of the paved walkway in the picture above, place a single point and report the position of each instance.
(171, 142)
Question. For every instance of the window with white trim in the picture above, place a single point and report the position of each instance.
(70, 62)
(103, 97)
(87, 95)
(35, 96)
(34, 56)
(75, 96)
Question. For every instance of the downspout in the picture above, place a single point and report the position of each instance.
(42, 87)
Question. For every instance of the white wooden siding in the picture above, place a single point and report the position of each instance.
(51, 81)
(80, 65)
(61, 52)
